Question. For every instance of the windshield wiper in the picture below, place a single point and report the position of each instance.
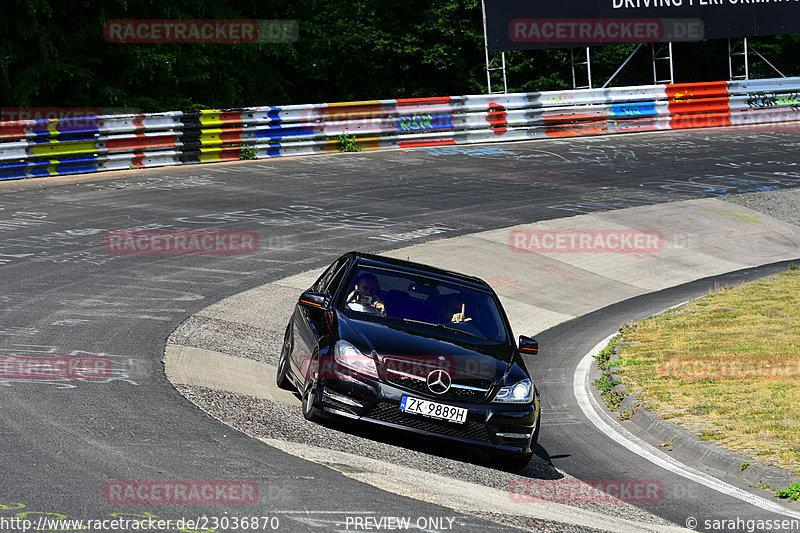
(443, 326)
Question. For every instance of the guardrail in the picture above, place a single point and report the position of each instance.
(32, 148)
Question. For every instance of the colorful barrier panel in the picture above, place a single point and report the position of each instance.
(92, 143)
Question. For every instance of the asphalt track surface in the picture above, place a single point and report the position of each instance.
(63, 294)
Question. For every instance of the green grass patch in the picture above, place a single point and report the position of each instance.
(347, 143)
(729, 361)
(791, 493)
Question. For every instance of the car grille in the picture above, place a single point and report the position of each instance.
(387, 412)
(412, 376)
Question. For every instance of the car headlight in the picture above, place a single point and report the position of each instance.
(520, 392)
(350, 357)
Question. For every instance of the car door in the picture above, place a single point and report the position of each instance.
(313, 324)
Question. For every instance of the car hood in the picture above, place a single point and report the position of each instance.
(463, 355)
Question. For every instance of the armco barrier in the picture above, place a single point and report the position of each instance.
(31, 148)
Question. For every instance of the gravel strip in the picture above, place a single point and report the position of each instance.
(262, 418)
(231, 338)
(782, 204)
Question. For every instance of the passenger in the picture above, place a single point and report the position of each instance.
(453, 309)
(367, 292)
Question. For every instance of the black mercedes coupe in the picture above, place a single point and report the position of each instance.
(413, 348)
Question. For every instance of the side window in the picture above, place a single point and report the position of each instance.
(333, 286)
(330, 279)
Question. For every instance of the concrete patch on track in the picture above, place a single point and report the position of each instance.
(459, 495)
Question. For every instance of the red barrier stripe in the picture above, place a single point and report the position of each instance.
(12, 130)
(596, 127)
(418, 144)
(231, 136)
(141, 140)
(497, 118)
(677, 91)
(424, 101)
(700, 121)
(230, 154)
(349, 111)
(697, 108)
(231, 117)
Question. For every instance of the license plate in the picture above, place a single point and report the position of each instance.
(441, 411)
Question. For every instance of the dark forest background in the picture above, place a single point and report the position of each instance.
(54, 54)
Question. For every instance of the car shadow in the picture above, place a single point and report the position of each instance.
(540, 466)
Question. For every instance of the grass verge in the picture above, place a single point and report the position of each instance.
(725, 367)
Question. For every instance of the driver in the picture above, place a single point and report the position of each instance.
(367, 292)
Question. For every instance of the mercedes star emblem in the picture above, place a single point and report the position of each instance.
(439, 381)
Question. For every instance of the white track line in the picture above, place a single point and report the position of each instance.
(622, 436)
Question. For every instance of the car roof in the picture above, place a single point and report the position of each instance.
(411, 267)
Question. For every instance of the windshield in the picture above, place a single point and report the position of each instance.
(420, 299)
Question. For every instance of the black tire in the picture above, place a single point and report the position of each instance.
(535, 437)
(282, 377)
(309, 398)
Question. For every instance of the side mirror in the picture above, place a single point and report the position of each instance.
(313, 300)
(528, 345)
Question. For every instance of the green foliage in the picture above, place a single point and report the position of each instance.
(792, 492)
(248, 152)
(613, 399)
(347, 143)
(55, 54)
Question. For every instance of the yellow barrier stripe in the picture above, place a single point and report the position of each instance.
(352, 104)
(63, 148)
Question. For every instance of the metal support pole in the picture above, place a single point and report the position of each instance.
(746, 61)
(668, 57)
(671, 69)
(623, 65)
(588, 64)
(764, 59)
(589, 67)
(730, 60)
(486, 50)
(505, 81)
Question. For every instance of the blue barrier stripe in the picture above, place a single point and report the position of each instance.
(62, 141)
(424, 122)
(45, 161)
(633, 109)
(274, 114)
(278, 131)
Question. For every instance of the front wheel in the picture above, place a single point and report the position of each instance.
(282, 378)
(308, 401)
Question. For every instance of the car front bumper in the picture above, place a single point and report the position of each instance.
(503, 427)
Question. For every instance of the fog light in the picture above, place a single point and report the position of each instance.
(514, 435)
(341, 399)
